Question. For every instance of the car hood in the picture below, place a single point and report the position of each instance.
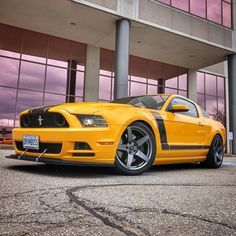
(89, 107)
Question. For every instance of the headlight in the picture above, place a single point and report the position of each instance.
(92, 121)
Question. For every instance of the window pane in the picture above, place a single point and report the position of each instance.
(56, 80)
(138, 79)
(138, 66)
(152, 89)
(105, 72)
(183, 93)
(28, 99)
(11, 39)
(58, 63)
(181, 4)
(183, 82)
(200, 82)
(201, 100)
(155, 70)
(221, 86)
(9, 53)
(214, 10)
(137, 89)
(54, 99)
(78, 99)
(32, 76)
(221, 104)
(151, 81)
(198, 7)
(80, 67)
(106, 59)
(33, 58)
(59, 51)
(211, 104)
(78, 52)
(165, 1)
(210, 84)
(104, 88)
(8, 71)
(79, 83)
(172, 83)
(227, 20)
(35, 46)
(7, 106)
(171, 71)
(170, 91)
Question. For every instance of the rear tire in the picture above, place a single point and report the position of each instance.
(216, 153)
(136, 150)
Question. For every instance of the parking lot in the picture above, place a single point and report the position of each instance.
(36, 199)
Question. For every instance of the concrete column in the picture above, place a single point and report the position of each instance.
(226, 74)
(122, 58)
(192, 85)
(91, 85)
(232, 98)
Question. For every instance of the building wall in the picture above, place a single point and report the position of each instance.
(162, 16)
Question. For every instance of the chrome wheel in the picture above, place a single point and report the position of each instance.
(135, 150)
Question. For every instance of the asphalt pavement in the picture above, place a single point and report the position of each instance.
(37, 199)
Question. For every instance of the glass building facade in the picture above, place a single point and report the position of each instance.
(145, 77)
(38, 69)
(217, 11)
(211, 95)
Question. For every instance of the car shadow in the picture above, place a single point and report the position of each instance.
(64, 171)
(91, 172)
(175, 167)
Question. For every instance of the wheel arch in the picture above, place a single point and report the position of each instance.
(145, 123)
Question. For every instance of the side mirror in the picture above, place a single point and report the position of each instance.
(178, 108)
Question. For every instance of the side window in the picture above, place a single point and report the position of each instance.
(153, 102)
(192, 108)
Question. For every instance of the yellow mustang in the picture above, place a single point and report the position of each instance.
(130, 134)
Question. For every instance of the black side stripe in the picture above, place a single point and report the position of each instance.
(164, 142)
(187, 147)
(162, 132)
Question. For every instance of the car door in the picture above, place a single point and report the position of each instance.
(185, 131)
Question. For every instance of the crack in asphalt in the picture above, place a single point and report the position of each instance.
(107, 217)
(9, 195)
(82, 203)
(105, 220)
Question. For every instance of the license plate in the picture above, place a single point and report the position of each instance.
(31, 142)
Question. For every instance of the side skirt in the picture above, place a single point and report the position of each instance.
(176, 160)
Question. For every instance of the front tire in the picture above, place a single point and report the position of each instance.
(136, 150)
(216, 153)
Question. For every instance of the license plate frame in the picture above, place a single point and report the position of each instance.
(31, 142)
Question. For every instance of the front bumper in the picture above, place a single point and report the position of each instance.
(103, 143)
(56, 161)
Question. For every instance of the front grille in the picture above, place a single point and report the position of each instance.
(43, 120)
(53, 148)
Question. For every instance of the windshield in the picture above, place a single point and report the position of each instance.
(148, 101)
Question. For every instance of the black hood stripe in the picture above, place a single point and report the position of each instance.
(41, 109)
